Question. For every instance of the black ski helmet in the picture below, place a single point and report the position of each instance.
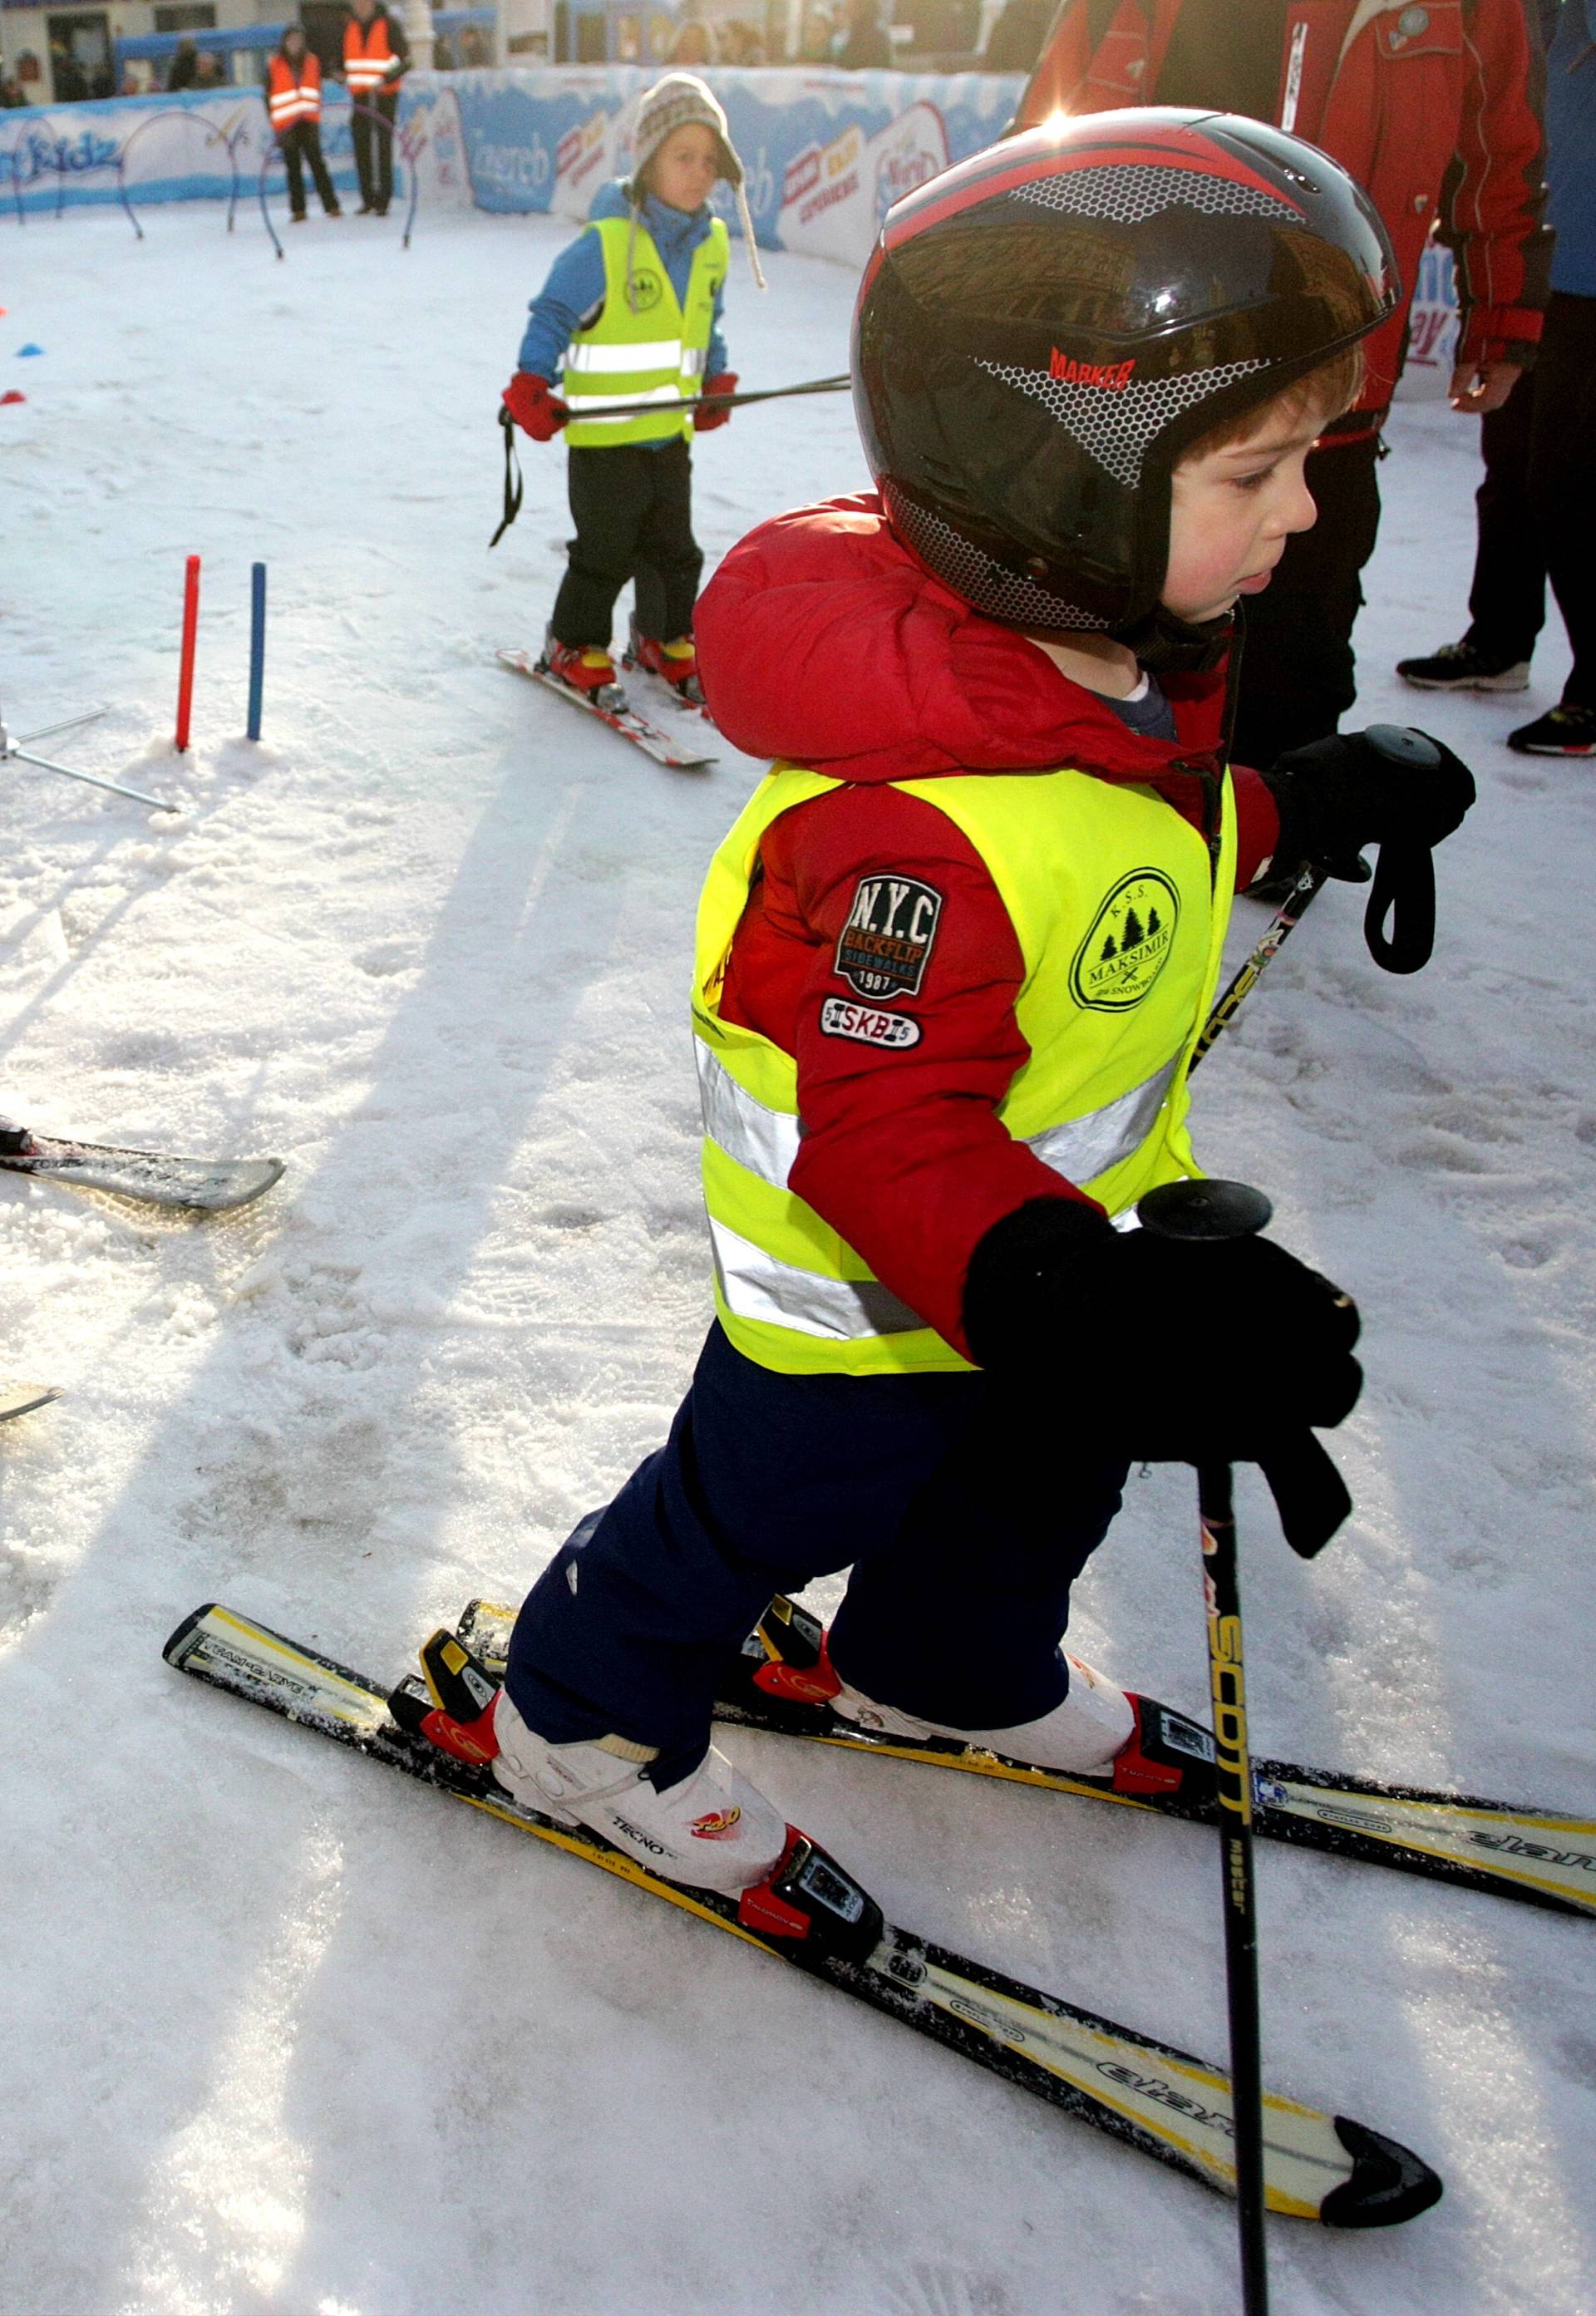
(1042, 331)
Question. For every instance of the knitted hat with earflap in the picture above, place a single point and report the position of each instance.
(683, 100)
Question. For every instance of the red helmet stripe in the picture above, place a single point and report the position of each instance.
(926, 206)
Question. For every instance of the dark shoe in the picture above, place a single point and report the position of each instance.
(1462, 667)
(1565, 730)
(364, 209)
(334, 211)
(298, 217)
(382, 211)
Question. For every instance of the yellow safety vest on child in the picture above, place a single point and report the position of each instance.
(644, 346)
(1119, 912)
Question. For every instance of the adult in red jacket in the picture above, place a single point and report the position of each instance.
(1434, 108)
(293, 100)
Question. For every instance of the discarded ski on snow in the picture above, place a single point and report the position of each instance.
(625, 720)
(22, 1398)
(1542, 1857)
(157, 1177)
(1160, 2100)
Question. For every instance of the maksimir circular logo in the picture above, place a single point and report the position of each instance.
(646, 290)
(1128, 945)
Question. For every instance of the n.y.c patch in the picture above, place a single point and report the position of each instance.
(884, 946)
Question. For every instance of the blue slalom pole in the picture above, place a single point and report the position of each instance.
(257, 646)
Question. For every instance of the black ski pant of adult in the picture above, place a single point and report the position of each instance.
(1538, 503)
(632, 507)
(300, 144)
(964, 1513)
(374, 151)
(1298, 673)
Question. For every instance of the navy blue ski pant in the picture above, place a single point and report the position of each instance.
(965, 1515)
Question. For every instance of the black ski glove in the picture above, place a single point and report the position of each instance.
(1167, 1351)
(1338, 794)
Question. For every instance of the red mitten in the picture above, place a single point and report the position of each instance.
(703, 418)
(535, 408)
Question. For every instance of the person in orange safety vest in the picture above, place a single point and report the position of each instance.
(376, 58)
(293, 100)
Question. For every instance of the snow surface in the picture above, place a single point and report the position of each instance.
(285, 2035)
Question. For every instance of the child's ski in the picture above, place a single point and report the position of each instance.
(814, 1914)
(22, 1398)
(782, 1681)
(157, 1177)
(625, 720)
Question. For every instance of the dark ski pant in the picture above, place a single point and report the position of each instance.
(300, 144)
(374, 149)
(1538, 501)
(965, 1517)
(1298, 672)
(632, 507)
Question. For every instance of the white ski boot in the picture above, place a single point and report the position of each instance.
(713, 1829)
(1077, 1738)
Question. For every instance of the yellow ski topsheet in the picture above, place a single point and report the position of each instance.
(1530, 1848)
(1178, 2101)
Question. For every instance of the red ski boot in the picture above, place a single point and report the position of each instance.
(587, 668)
(675, 663)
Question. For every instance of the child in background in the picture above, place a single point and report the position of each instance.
(631, 313)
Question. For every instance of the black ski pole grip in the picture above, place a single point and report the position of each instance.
(1403, 893)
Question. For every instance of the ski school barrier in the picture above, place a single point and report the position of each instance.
(827, 152)
(145, 149)
(339, 140)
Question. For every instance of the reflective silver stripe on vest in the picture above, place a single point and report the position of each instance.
(1082, 1147)
(650, 353)
(754, 1285)
(765, 1141)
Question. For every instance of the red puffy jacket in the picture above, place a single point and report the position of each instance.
(821, 639)
(1433, 106)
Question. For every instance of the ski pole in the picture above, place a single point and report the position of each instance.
(1400, 747)
(1215, 1211)
(717, 401)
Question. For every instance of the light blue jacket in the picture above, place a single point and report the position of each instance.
(573, 297)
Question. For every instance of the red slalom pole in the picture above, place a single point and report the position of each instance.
(191, 631)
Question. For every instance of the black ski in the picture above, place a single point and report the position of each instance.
(815, 1915)
(1544, 1858)
(155, 1178)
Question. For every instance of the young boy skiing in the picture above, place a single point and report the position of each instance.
(631, 313)
(951, 964)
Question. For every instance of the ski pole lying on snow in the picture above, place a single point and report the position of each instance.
(1215, 1211)
(1403, 883)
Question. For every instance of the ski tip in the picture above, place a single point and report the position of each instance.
(177, 1646)
(256, 1176)
(22, 1398)
(1389, 2183)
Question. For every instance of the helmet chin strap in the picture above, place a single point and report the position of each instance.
(1168, 645)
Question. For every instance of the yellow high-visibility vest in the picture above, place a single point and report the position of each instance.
(655, 353)
(1120, 910)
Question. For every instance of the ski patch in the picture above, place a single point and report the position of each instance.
(840, 1018)
(886, 945)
